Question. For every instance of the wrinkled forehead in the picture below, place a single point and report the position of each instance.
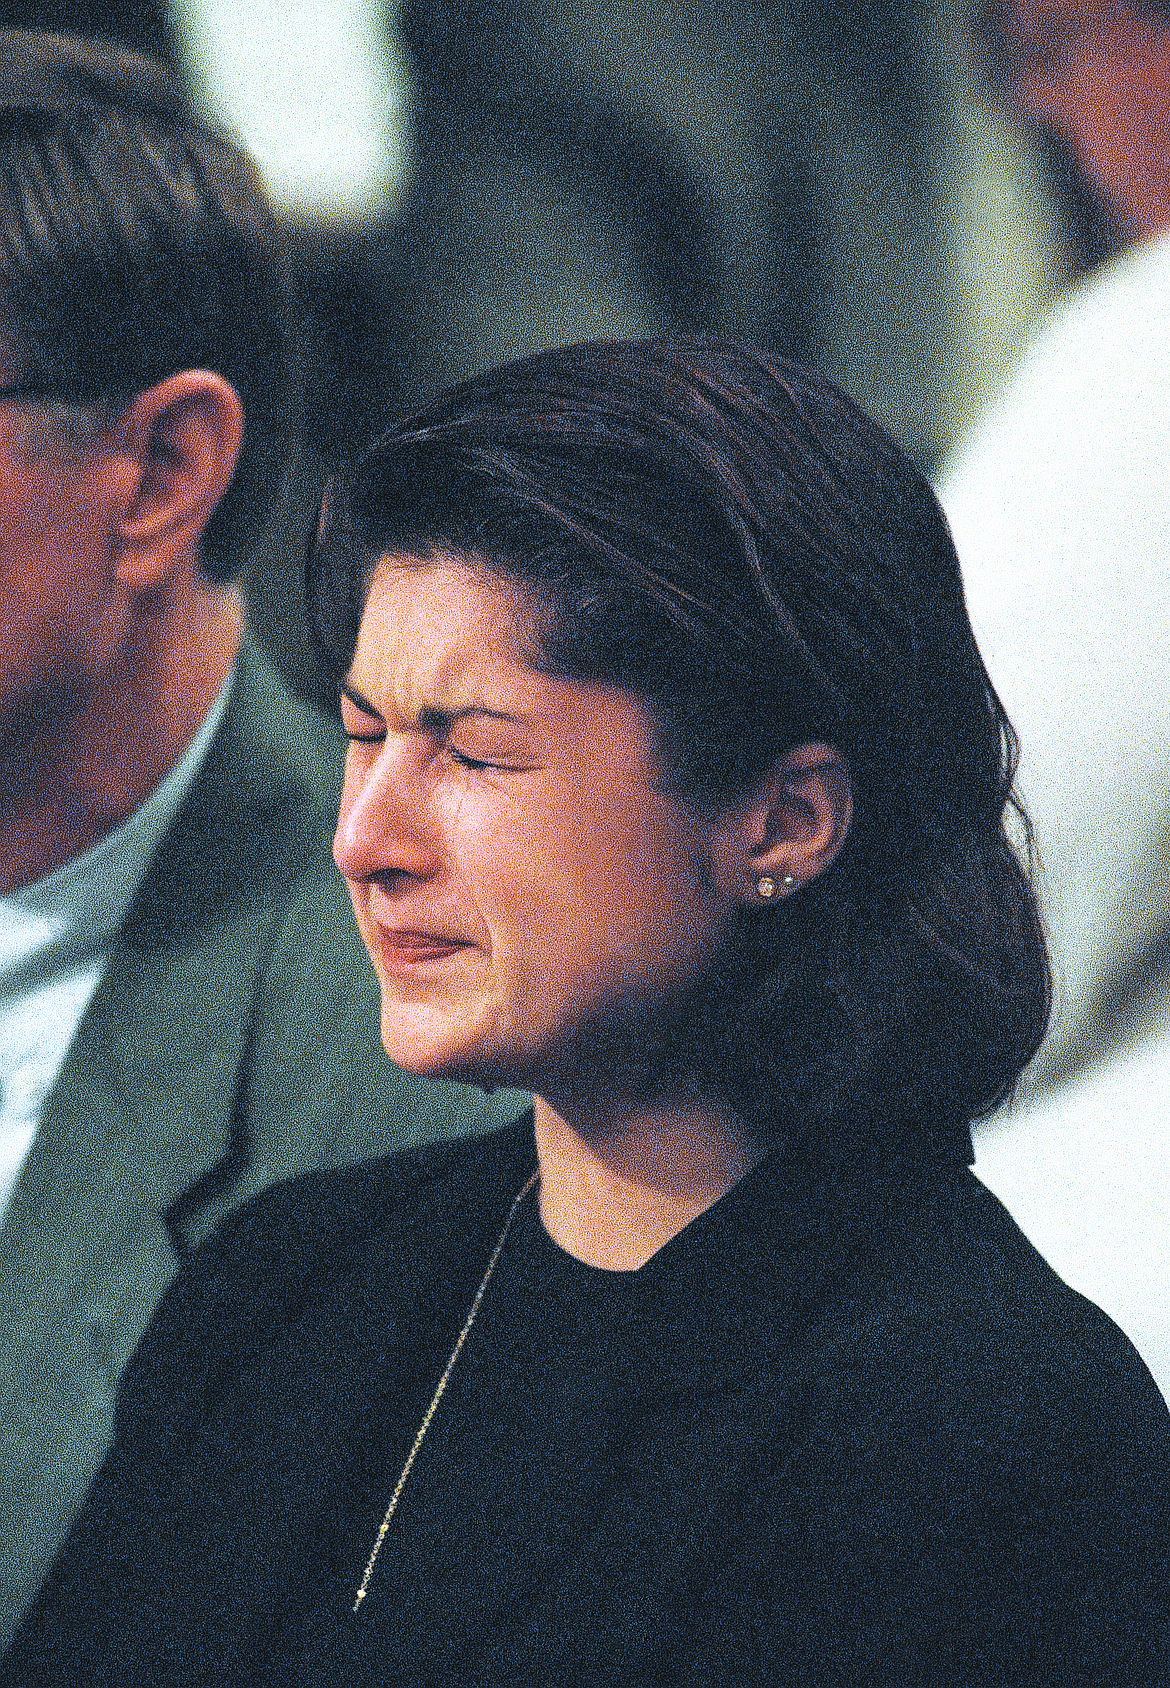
(511, 604)
(433, 615)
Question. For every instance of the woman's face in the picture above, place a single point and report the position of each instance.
(528, 888)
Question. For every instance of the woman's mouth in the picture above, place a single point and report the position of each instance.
(402, 951)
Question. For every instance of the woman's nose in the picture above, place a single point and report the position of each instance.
(381, 825)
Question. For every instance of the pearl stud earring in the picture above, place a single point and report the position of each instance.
(768, 888)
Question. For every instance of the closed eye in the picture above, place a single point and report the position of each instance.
(354, 704)
(495, 762)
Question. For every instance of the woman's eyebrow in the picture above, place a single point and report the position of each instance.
(430, 718)
(358, 701)
(440, 721)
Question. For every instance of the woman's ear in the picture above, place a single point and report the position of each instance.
(788, 829)
(179, 442)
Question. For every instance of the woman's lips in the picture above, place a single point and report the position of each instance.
(402, 951)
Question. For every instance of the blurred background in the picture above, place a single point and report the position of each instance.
(465, 182)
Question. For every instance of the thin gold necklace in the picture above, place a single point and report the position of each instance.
(364, 1586)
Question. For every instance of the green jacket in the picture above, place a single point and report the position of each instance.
(233, 1041)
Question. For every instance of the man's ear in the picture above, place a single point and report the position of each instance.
(788, 829)
(179, 442)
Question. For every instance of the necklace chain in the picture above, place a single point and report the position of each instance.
(364, 1585)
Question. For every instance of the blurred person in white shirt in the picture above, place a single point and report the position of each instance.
(1060, 505)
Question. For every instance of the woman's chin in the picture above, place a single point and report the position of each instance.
(444, 1059)
(424, 1061)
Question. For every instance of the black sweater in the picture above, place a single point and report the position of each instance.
(846, 1428)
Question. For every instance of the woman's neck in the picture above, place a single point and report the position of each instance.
(618, 1181)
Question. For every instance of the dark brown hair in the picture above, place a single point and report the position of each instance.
(135, 241)
(732, 540)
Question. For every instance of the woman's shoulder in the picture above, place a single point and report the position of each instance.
(307, 1223)
(945, 1254)
(996, 1282)
(308, 1236)
(961, 1411)
(951, 1318)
